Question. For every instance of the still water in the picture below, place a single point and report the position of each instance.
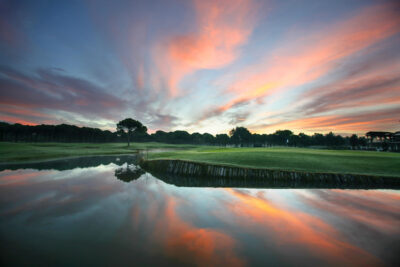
(102, 211)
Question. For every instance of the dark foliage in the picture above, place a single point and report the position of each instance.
(130, 127)
(54, 133)
(238, 136)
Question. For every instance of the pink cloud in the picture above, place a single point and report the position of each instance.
(221, 28)
(306, 59)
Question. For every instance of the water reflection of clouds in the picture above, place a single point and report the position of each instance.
(368, 218)
(50, 194)
(175, 224)
(188, 243)
(20, 177)
(169, 217)
(207, 226)
(303, 235)
(379, 210)
(185, 236)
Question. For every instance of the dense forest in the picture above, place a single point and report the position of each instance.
(238, 136)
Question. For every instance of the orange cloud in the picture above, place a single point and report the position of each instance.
(374, 92)
(178, 239)
(13, 119)
(14, 178)
(191, 245)
(287, 228)
(306, 59)
(372, 208)
(21, 111)
(221, 28)
(359, 123)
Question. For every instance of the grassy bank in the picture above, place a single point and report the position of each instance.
(19, 152)
(294, 159)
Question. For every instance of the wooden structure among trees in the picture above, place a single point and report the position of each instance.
(384, 140)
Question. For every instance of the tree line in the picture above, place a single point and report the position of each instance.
(131, 130)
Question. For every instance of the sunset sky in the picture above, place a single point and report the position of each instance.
(202, 66)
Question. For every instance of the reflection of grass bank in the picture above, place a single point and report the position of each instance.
(14, 152)
(297, 159)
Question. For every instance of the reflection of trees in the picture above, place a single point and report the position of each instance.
(72, 163)
(128, 173)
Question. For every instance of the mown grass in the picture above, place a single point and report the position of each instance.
(19, 152)
(299, 159)
(280, 158)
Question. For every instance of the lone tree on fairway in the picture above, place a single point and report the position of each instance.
(129, 126)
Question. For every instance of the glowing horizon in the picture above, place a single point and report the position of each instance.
(203, 66)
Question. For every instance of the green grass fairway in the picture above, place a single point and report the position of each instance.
(280, 158)
(14, 152)
(301, 159)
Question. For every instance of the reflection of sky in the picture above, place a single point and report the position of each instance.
(202, 65)
(90, 216)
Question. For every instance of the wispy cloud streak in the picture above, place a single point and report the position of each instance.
(221, 28)
(306, 59)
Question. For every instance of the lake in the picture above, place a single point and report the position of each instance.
(104, 211)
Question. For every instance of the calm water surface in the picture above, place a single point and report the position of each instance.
(102, 211)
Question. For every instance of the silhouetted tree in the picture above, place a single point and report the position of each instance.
(222, 139)
(353, 141)
(129, 126)
(318, 139)
(180, 137)
(54, 133)
(304, 140)
(208, 139)
(160, 136)
(240, 135)
(333, 140)
(330, 139)
(362, 141)
(197, 138)
(282, 136)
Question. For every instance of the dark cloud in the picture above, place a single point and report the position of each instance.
(344, 96)
(164, 121)
(53, 90)
(218, 111)
(238, 117)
